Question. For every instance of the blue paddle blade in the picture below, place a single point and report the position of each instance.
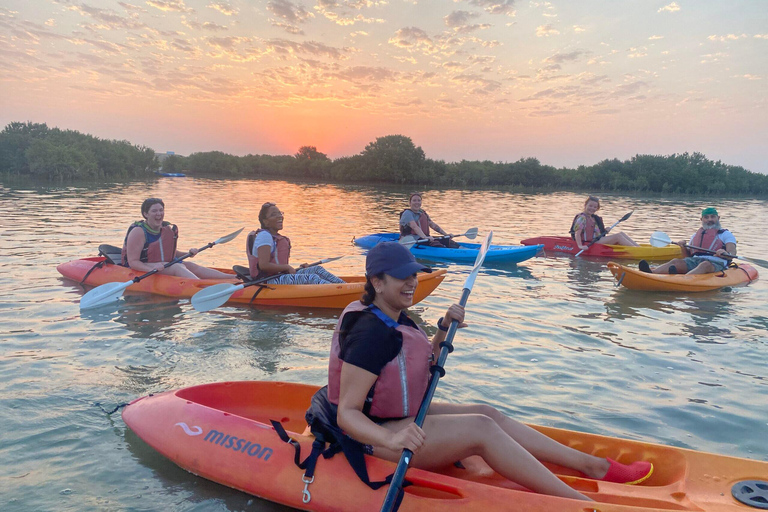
(105, 294)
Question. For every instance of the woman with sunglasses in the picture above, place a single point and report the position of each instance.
(151, 243)
(269, 253)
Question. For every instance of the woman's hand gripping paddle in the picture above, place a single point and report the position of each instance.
(405, 459)
(593, 242)
(111, 292)
(411, 241)
(218, 294)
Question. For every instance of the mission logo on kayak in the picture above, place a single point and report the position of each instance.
(562, 248)
(228, 441)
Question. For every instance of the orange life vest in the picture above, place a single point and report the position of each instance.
(400, 387)
(161, 250)
(283, 249)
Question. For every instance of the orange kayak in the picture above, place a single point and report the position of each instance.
(634, 279)
(222, 432)
(336, 296)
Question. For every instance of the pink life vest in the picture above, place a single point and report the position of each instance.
(589, 233)
(283, 249)
(161, 250)
(707, 239)
(401, 385)
(423, 224)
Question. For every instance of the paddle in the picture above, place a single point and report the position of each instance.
(660, 239)
(216, 295)
(112, 292)
(408, 242)
(593, 242)
(446, 347)
(761, 263)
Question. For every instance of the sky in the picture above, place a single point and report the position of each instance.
(568, 82)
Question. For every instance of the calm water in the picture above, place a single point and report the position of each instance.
(551, 341)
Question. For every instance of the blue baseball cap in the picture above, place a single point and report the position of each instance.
(393, 259)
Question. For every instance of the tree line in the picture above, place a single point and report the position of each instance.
(34, 149)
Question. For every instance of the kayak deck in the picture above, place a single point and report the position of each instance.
(634, 279)
(566, 245)
(221, 431)
(335, 296)
(465, 253)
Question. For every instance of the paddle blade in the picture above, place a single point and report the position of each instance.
(105, 294)
(214, 296)
(326, 260)
(626, 216)
(660, 239)
(229, 237)
(409, 241)
(470, 282)
(471, 233)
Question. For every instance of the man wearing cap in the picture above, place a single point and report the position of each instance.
(704, 251)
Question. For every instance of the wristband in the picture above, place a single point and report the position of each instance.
(440, 325)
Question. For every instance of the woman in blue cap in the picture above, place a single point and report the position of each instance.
(378, 375)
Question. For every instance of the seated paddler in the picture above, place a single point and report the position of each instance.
(269, 253)
(151, 243)
(416, 223)
(379, 371)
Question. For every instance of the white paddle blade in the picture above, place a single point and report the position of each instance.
(471, 233)
(228, 237)
(470, 282)
(660, 239)
(408, 241)
(105, 294)
(214, 296)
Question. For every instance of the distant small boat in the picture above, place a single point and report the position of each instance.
(171, 174)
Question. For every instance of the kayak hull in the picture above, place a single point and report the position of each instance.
(634, 279)
(221, 432)
(566, 245)
(335, 296)
(466, 253)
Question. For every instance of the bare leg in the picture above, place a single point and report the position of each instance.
(539, 445)
(617, 239)
(451, 437)
(206, 273)
(679, 263)
(705, 267)
(178, 270)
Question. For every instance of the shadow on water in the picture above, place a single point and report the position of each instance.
(197, 493)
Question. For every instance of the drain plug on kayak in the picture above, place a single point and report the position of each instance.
(752, 492)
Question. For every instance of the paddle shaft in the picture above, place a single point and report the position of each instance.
(172, 262)
(471, 233)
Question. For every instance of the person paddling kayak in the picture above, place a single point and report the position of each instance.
(269, 252)
(151, 243)
(587, 227)
(710, 236)
(415, 222)
(379, 372)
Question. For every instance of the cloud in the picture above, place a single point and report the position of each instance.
(505, 7)
(224, 8)
(345, 15)
(208, 25)
(366, 74)
(559, 58)
(411, 38)
(170, 5)
(546, 31)
(654, 38)
(285, 47)
(577, 29)
(761, 36)
(459, 18)
(673, 7)
(748, 77)
(728, 37)
(108, 20)
(289, 11)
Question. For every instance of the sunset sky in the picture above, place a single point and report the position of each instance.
(568, 82)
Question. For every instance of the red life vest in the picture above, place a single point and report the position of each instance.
(283, 249)
(401, 385)
(162, 250)
(423, 224)
(589, 233)
(707, 239)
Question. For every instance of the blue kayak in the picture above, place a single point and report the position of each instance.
(466, 253)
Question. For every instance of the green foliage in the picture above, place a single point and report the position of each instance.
(33, 149)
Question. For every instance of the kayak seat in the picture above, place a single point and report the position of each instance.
(242, 272)
(113, 255)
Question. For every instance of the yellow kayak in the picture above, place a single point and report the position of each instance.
(634, 279)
